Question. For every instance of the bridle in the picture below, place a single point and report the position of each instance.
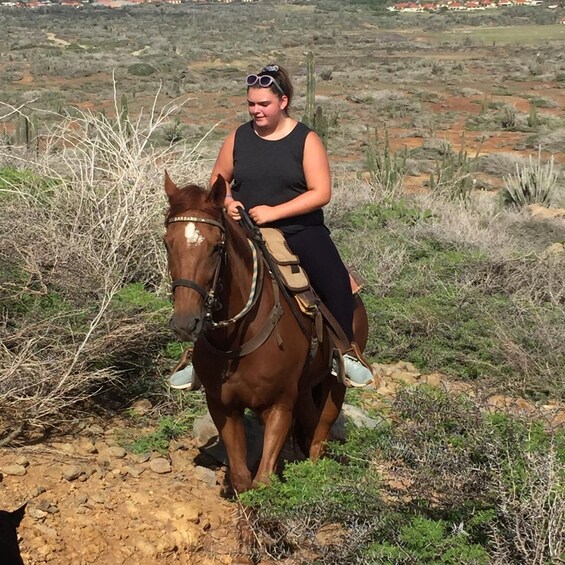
(209, 297)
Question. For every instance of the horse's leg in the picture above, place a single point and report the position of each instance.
(307, 414)
(277, 420)
(331, 403)
(232, 432)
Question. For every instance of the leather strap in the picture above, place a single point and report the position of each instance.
(257, 340)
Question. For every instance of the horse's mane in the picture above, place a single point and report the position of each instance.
(189, 197)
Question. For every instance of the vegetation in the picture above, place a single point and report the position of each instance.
(434, 486)
(459, 277)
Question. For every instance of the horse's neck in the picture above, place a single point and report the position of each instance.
(237, 271)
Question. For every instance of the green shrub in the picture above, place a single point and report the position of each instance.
(141, 69)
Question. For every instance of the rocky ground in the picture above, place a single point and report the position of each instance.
(90, 501)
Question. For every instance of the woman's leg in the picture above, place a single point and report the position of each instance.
(326, 271)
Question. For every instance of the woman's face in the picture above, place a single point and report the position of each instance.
(265, 107)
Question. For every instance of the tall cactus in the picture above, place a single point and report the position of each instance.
(314, 118)
(310, 91)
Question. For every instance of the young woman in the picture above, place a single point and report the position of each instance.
(277, 169)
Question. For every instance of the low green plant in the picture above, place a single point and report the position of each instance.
(428, 542)
(141, 69)
(168, 428)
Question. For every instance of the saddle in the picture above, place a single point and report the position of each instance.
(295, 280)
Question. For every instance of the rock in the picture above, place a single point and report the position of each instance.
(134, 470)
(204, 429)
(14, 470)
(160, 465)
(37, 491)
(205, 475)
(36, 513)
(72, 472)
(23, 461)
(88, 446)
(540, 212)
(95, 429)
(189, 512)
(142, 457)
(117, 451)
(141, 407)
(356, 416)
(555, 253)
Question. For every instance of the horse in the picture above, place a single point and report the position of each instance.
(250, 350)
(9, 547)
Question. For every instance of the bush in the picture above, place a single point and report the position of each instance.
(142, 69)
(82, 264)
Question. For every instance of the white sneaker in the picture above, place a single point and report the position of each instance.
(183, 379)
(356, 373)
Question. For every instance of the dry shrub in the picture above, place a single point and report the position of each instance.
(89, 223)
(531, 509)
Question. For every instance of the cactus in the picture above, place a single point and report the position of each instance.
(453, 176)
(308, 118)
(386, 169)
(314, 119)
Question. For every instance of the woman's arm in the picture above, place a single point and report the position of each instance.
(318, 180)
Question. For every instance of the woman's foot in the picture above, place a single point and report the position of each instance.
(183, 379)
(356, 374)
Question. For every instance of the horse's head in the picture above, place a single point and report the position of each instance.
(195, 243)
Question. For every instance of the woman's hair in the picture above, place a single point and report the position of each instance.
(280, 74)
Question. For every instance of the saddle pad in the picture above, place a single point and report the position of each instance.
(293, 274)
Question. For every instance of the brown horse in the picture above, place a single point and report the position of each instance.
(250, 350)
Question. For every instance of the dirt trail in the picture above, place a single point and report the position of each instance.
(89, 501)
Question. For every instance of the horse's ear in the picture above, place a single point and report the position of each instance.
(170, 187)
(217, 195)
(18, 515)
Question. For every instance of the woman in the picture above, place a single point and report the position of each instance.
(281, 176)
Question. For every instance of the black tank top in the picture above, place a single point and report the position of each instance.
(271, 173)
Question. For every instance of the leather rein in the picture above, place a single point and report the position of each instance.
(211, 301)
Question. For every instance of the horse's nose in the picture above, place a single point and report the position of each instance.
(186, 327)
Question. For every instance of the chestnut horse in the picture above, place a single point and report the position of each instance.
(250, 351)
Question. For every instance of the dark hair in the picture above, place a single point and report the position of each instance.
(280, 74)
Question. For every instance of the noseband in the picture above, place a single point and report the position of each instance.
(210, 296)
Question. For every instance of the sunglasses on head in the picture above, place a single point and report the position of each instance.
(264, 81)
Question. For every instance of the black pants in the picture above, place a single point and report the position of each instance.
(326, 271)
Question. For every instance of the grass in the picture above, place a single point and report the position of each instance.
(529, 34)
(454, 307)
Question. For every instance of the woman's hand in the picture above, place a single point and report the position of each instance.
(263, 214)
(231, 209)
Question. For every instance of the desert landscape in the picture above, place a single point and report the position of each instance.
(446, 136)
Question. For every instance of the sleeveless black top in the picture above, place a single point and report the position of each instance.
(271, 173)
